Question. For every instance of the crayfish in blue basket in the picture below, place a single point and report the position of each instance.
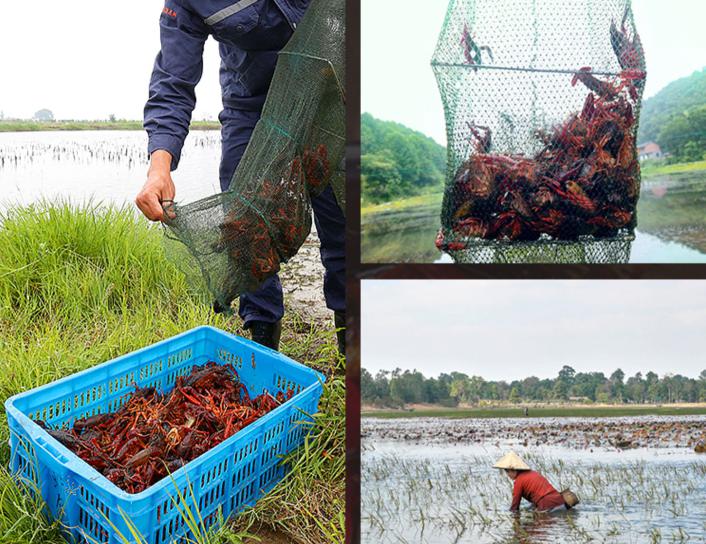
(153, 434)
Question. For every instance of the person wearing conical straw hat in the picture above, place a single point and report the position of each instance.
(529, 485)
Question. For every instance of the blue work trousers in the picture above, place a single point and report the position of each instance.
(267, 303)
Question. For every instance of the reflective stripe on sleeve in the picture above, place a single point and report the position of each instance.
(227, 12)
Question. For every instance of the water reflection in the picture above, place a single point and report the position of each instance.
(671, 227)
(674, 209)
(401, 236)
(533, 527)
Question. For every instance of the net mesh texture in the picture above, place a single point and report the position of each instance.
(542, 102)
(240, 237)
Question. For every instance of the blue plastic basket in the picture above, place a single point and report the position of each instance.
(221, 482)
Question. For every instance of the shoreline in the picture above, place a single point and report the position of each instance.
(57, 126)
(581, 433)
(434, 198)
(536, 411)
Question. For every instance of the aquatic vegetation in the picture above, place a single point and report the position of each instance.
(616, 433)
(110, 149)
(442, 497)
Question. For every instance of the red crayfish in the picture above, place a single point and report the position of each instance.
(583, 181)
(268, 227)
(153, 434)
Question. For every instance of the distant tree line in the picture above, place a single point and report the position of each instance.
(675, 118)
(684, 136)
(397, 388)
(398, 162)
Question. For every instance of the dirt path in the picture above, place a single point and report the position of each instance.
(303, 281)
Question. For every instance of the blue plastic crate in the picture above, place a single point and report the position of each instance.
(224, 480)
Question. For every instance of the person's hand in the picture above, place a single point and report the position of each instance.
(158, 188)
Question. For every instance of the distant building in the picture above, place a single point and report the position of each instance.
(650, 150)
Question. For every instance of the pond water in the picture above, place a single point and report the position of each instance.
(444, 491)
(106, 166)
(671, 226)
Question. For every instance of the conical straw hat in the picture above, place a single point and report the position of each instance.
(511, 461)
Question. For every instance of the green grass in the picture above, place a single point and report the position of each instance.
(397, 205)
(81, 285)
(35, 126)
(544, 411)
(650, 169)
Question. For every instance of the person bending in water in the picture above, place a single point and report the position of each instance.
(529, 485)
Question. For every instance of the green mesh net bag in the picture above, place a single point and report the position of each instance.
(542, 102)
(240, 237)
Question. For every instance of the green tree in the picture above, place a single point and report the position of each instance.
(399, 387)
(616, 385)
(475, 388)
(677, 97)
(459, 389)
(656, 391)
(381, 180)
(514, 395)
(367, 387)
(397, 162)
(685, 135)
(602, 393)
(585, 384)
(44, 115)
(692, 152)
(564, 382)
(635, 388)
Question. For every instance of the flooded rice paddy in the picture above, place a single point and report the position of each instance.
(431, 481)
(671, 226)
(619, 433)
(107, 166)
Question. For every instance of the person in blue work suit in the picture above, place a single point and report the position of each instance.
(250, 35)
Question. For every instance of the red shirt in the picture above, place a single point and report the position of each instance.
(535, 488)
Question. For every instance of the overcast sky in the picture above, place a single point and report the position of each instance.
(399, 37)
(85, 59)
(515, 329)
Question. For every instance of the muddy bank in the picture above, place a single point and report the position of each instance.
(617, 433)
(303, 283)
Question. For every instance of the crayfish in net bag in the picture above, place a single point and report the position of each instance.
(554, 158)
(153, 435)
(584, 181)
(258, 239)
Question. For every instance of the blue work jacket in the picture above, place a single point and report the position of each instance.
(250, 34)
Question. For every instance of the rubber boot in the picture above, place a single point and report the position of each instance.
(339, 318)
(266, 334)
